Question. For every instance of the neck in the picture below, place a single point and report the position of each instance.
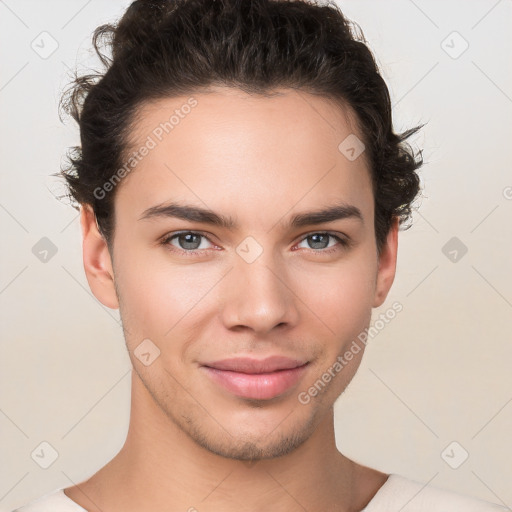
(160, 467)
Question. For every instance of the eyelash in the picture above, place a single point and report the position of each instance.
(343, 242)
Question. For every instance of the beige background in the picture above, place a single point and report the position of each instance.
(438, 372)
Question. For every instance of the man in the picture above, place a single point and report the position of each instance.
(241, 192)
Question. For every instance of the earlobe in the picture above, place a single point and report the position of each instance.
(97, 260)
(386, 265)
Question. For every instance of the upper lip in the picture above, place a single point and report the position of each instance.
(249, 365)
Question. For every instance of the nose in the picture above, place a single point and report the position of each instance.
(258, 296)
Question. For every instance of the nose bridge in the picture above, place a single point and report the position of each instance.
(257, 295)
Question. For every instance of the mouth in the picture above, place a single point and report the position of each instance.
(256, 379)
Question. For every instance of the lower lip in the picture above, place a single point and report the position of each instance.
(257, 386)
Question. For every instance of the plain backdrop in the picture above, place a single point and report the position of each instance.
(434, 390)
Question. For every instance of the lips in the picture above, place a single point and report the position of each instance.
(256, 379)
(248, 365)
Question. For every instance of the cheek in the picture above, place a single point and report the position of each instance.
(340, 296)
(159, 297)
(340, 300)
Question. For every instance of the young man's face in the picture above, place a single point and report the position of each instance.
(258, 289)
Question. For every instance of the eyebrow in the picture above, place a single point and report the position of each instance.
(205, 216)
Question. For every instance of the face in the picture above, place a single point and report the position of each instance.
(256, 286)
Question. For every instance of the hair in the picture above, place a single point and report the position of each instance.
(168, 48)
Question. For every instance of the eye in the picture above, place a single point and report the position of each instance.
(320, 239)
(188, 242)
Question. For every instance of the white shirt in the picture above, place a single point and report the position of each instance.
(397, 494)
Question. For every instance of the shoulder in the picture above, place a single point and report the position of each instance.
(401, 494)
(54, 501)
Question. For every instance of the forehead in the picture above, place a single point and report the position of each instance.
(228, 147)
(293, 110)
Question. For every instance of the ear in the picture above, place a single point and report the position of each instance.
(97, 260)
(387, 265)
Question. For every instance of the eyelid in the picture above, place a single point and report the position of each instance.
(343, 240)
(336, 234)
(173, 234)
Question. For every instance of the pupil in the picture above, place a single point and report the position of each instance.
(317, 239)
(316, 242)
(188, 238)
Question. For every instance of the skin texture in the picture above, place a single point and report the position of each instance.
(191, 443)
